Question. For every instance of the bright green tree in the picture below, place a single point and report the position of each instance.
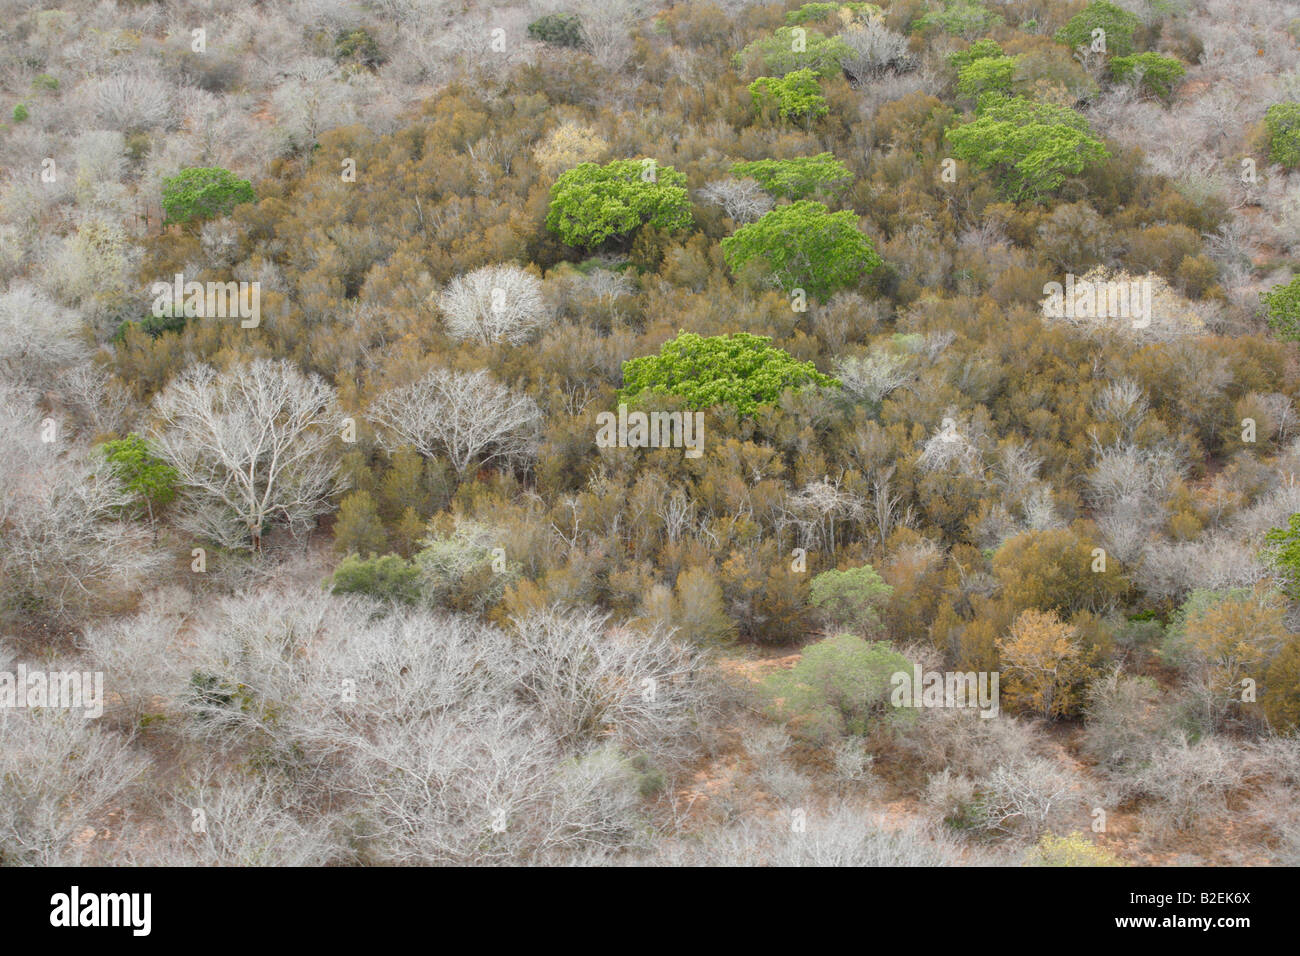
(959, 18)
(804, 246)
(843, 12)
(1117, 24)
(203, 192)
(557, 29)
(1282, 120)
(840, 687)
(850, 599)
(1154, 72)
(388, 578)
(146, 476)
(795, 96)
(741, 370)
(796, 178)
(1283, 553)
(992, 74)
(1282, 306)
(1030, 146)
(793, 48)
(982, 49)
(591, 204)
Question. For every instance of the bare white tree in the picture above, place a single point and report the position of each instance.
(743, 200)
(445, 740)
(253, 445)
(494, 304)
(1123, 403)
(584, 677)
(874, 50)
(245, 821)
(60, 771)
(129, 101)
(842, 834)
(467, 416)
(37, 336)
(606, 29)
(874, 375)
(64, 541)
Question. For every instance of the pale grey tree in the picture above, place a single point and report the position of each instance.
(254, 445)
(468, 417)
(494, 304)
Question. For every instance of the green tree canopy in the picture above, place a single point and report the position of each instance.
(591, 204)
(821, 12)
(741, 370)
(1282, 306)
(804, 246)
(850, 599)
(796, 178)
(795, 96)
(1283, 553)
(1118, 24)
(991, 74)
(1030, 146)
(557, 29)
(146, 476)
(840, 687)
(1154, 72)
(979, 50)
(1282, 120)
(959, 18)
(793, 48)
(203, 192)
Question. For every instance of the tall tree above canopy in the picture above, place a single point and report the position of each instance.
(741, 370)
(1030, 146)
(804, 246)
(592, 204)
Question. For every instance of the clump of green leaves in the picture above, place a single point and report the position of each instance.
(149, 479)
(850, 599)
(1153, 72)
(992, 74)
(840, 687)
(461, 571)
(796, 178)
(1117, 25)
(203, 192)
(1282, 306)
(20, 113)
(358, 46)
(795, 96)
(793, 48)
(1282, 122)
(591, 204)
(959, 18)
(387, 578)
(821, 12)
(1030, 146)
(557, 29)
(1283, 553)
(803, 246)
(741, 370)
(982, 49)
